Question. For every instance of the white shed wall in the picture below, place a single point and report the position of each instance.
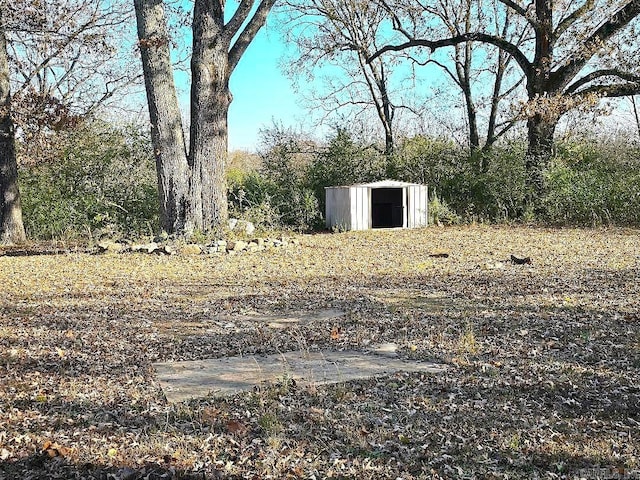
(417, 206)
(360, 208)
(338, 208)
(349, 208)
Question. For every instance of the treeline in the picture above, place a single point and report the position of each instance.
(484, 72)
(101, 181)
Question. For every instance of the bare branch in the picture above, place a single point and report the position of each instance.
(629, 77)
(573, 17)
(247, 35)
(433, 45)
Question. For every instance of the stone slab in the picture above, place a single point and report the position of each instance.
(286, 320)
(226, 376)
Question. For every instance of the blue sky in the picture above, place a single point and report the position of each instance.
(261, 93)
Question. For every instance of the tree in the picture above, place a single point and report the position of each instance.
(69, 61)
(191, 180)
(343, 34)
(483, 75)
(62, 59)
(11, 227)
(576, 54)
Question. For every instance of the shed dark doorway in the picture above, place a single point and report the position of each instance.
(386, 208)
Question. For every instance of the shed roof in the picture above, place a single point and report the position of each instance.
(380, 184)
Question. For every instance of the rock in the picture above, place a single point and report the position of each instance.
(236, 246)
(191, 249)
(259, 242)
(167, 250)
(243, 226)
(144, 247)
(248, 227)
(109, 246)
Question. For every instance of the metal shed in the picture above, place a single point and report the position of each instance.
(385, 204)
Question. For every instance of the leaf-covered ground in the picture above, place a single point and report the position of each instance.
(543, 360)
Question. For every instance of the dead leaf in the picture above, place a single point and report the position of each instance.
(335, 333)
(237, 428)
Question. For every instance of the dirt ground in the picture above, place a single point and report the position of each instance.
(543, 359)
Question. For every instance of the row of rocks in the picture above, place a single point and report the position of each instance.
(214, 248)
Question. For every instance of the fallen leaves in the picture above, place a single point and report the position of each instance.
(543, 377)
(53, 449)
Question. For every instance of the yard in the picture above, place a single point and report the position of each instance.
(543, 359)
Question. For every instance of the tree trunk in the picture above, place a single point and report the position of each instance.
(11, 227)
(391, 168)
(166, 122)
(539, 152)
(210, 101)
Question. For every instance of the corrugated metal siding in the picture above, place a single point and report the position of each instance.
(338, 208)
(349, 208)
(418, 201)
(360, 211)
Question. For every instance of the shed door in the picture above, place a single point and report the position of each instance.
(387, 209)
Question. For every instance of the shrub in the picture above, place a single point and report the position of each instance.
(278, 195)
(103, 182)
(487, 185)
(344, 161)
(594, 183)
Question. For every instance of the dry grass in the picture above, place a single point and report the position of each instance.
(544, 359)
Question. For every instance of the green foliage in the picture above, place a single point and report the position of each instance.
(103, 182)
(594, 183)
(344, 162)
(277, 195)
(440, 213)
(430, 161)
(496, 183)
(250, 198)
(588, 182)
(485, 186)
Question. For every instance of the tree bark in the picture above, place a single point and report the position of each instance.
(210, 101)
(192, 184)
(166, 122)
(540, 132)
(11, 226)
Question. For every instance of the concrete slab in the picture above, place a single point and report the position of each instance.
(285, 320)
(226, 376)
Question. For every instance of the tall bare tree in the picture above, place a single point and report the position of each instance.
(11, 227)
(62, 60)
(483, 73)
(342, 34)
(191, 180)
(576, 54)
(69, 59)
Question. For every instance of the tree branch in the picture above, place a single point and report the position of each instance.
(502, 44)
(629, 77)
(591, 45)
(623, 90)
(248, 34)
(517, 8)
(569, 20)
(233, 26)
